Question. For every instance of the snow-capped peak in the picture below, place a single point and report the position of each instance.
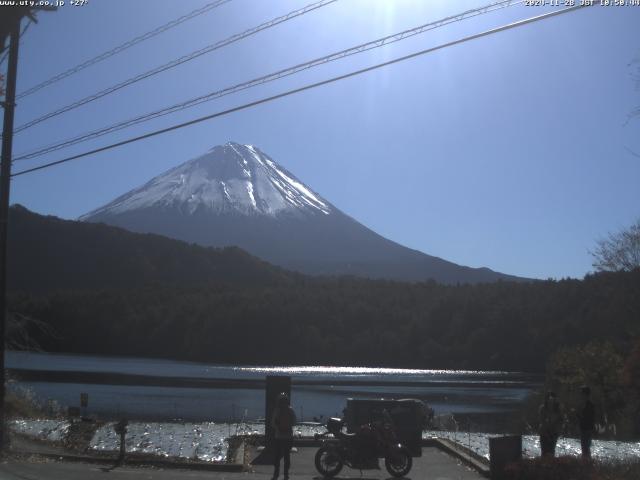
(228, 178)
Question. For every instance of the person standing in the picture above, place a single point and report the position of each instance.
(550, 424)
(587, 422)
(282, 421)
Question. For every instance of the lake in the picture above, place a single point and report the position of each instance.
(164, 389)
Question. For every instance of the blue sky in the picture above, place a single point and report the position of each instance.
(512, 151)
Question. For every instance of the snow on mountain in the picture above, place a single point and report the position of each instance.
(236, 195)
(229, 178)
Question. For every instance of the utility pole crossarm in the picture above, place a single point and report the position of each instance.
(10, 17)
(14, 14)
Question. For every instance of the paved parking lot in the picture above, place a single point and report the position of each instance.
(433, 465)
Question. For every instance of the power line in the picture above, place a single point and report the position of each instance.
(305, 88)
(124, 46)
(270, 77)
(176, 62)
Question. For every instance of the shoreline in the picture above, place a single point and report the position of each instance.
(215, 444)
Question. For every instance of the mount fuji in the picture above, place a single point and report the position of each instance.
(237, 195)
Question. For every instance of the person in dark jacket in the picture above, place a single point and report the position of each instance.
(587, 422)
(282, 422)
(551, 421)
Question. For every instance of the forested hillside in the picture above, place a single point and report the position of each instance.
(346, 321)
(102, 290)
(48, 254)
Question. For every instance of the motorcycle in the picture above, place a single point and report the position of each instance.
(361, 450)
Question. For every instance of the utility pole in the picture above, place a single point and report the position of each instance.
(5, 177)
(9, 27)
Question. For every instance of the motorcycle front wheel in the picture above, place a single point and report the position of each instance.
(398, 462)
(328, 461)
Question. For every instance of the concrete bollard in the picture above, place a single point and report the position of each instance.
(503, 451)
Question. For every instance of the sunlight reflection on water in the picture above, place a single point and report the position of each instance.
(292, 370)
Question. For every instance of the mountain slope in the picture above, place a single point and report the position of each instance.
(237, 195)
(47, 253)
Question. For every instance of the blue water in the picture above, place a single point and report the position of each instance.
(446, 391)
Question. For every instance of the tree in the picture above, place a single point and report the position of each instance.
(598, 365)
(619, 251)
(631, 377)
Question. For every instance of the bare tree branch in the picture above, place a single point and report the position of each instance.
(619, 251)
(19, 332)
(635, 154)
